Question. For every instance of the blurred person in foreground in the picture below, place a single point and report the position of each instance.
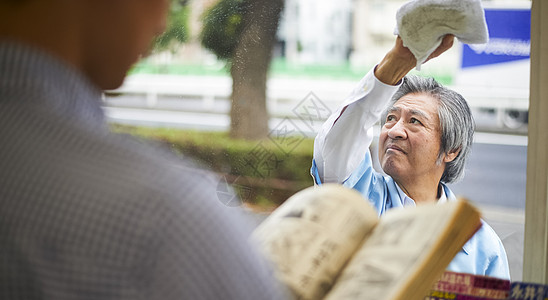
(86, 214)
(426, 135)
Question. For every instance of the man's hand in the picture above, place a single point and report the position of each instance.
(445, 45)
(399, 60)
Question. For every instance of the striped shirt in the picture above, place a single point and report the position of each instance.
(87, 214)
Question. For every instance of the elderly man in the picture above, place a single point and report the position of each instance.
(425, 138)
(86, 214)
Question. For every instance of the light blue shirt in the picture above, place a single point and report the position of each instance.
(483, 254)
(341, 154)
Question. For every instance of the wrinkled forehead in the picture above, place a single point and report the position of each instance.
(417, 104)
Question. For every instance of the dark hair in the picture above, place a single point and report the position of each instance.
(456, 121)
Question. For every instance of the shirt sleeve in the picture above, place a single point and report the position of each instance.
(498, 261)
(345, 137)
(483, 254)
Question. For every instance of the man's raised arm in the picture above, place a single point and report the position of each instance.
(345, 137)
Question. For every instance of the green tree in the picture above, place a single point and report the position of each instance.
(177, 30)
(222, 27)
(244, 33)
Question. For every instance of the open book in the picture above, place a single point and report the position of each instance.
(327, 242)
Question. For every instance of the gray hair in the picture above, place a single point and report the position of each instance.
(456, 122)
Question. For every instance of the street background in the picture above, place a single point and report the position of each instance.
(322, 49)
(495, 173)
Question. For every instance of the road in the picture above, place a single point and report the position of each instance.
(495, 175)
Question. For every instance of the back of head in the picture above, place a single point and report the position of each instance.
(102, 39)
(456, 121)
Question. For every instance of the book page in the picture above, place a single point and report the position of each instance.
(407, 252)
(313, 234)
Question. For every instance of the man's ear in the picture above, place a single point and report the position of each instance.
(449, 157)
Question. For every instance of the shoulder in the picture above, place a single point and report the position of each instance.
(488, 238)
(138, 181)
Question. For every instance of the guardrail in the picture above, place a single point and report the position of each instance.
(212, 88)
(283, 94)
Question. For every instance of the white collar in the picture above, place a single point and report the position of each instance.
(407, 201)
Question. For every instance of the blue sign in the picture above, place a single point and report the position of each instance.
(509, 38)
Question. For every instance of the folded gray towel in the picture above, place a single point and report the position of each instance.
(422, 24)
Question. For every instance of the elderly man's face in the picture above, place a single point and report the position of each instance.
(410, 140)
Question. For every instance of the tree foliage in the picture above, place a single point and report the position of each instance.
(177, 30)
(222, 27)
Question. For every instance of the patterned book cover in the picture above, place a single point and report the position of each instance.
(471, 290)
(528, 291)
(479, 281)
(439, 295)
